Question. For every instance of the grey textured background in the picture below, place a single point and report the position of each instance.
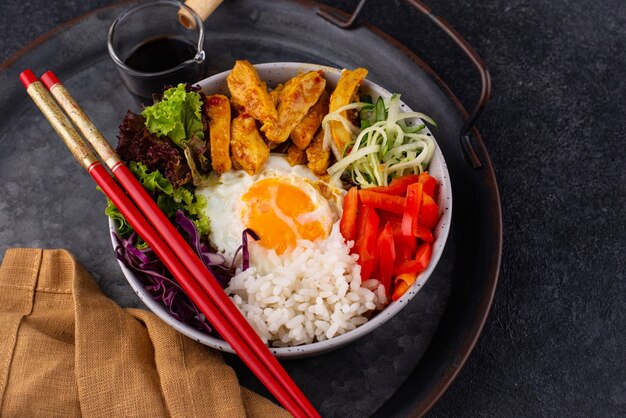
(554, 343)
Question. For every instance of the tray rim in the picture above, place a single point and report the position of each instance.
(477, 325)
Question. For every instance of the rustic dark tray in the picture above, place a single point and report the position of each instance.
(400, 369)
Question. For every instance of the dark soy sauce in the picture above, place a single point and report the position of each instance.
(160, 54)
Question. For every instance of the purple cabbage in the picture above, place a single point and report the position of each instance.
(157, 279)
(244, 245)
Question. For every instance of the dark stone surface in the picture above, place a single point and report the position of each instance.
(554, 342)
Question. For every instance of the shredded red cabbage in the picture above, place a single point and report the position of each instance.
(158, 281)
(244, 245)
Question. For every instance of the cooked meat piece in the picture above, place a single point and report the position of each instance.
(248, 91)
(346, 92)
(235, 109)
(303, 133)
(296, 98)
(217, 110)
(247, 146)
(275, 94)
(316, 154)
(295, 155)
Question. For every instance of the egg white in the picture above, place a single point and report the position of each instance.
(224, 194)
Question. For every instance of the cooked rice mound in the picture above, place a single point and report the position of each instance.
(312, 293)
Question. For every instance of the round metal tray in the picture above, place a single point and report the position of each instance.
(47, 200)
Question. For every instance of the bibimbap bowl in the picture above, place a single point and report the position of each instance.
(278, 73)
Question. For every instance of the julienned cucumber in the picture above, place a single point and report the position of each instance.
(385, 147)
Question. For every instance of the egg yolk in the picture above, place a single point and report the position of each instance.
(280, 213)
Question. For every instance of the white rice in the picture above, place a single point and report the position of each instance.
(313, 293)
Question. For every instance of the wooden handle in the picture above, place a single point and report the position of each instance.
(204, 8)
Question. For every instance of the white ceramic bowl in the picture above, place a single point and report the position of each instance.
(274, 73)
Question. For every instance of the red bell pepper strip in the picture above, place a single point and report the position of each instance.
(423, 233)
(429, 182)
(419, 263)
(360, 224)
(367, 236)
(386, 202)
(386, 257)
(429, 212)
(402, 283)
(347, 226)
(397, 186)
(394, 218)
(405, 246)
(412, 209)
(409, 228)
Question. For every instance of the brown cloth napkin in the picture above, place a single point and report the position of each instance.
(67, 350)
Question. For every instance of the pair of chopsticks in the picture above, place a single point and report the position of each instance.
(152, 225)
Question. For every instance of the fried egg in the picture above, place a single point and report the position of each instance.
(281, 204)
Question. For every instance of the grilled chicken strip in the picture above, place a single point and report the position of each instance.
(317, 156)
(346, 92)
(303, 133)
(217, 109)
(296, 98)
(249, 92)
(248, 149)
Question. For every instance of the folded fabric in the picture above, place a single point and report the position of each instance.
(67, 350)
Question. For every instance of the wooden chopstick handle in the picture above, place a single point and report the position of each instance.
(64, 128)
(81, 120)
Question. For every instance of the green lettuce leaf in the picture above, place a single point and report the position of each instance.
(171, 199)
(151, 181)
(177, 116)
(122, 225)
(168, 198)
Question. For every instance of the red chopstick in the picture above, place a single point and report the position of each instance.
(217, 307)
